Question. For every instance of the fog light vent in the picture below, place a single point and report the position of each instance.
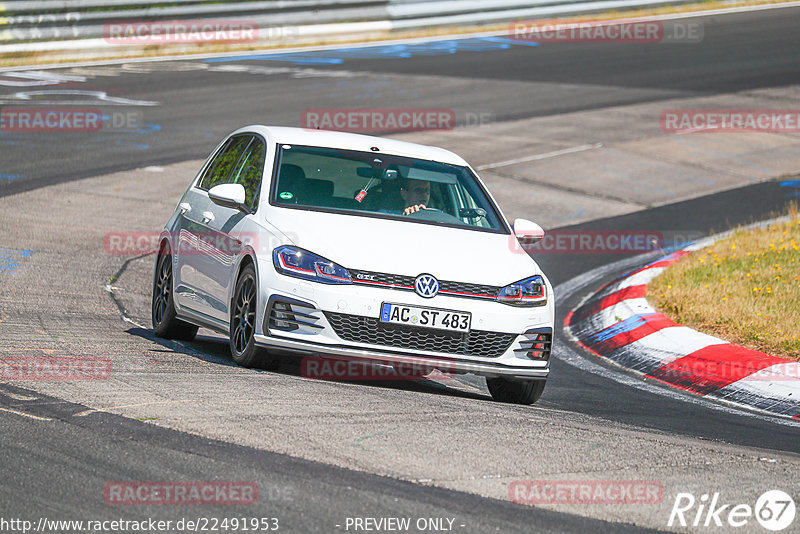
(538, 344)
(289, 315)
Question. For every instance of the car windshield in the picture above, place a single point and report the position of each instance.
(382, 185)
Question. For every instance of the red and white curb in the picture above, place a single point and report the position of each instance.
(617, 323)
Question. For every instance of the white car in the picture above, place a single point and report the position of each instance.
(345, 246)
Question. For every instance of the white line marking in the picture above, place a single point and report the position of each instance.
(23, 414)
(93, 98)
(536, 157)
(89, 412)
(46, 76)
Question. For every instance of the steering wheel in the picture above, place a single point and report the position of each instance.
(435, 215)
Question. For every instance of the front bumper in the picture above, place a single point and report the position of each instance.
(445, 364)
(315, 335)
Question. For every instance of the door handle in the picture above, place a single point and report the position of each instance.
(184, 207)
(208, 216)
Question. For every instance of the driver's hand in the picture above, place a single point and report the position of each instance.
(413, 209)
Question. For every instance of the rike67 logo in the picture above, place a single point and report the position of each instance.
(774, 510)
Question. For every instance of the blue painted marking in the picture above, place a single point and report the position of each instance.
(791, 183)
(10, 176)
(510, 42)
(9, 259)
(389, 51)
(621, 327)
(668, 257)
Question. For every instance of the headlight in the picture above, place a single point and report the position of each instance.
(529, 292)
(293, 261)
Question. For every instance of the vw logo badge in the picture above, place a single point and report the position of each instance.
(426, 286)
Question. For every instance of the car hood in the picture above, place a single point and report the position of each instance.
(407, 248)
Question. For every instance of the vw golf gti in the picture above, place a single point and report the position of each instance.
(337, 245)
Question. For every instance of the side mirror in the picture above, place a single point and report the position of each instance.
(229, 196)
(527, 231)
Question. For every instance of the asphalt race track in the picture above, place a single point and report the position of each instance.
(510, 81)
(324, 452)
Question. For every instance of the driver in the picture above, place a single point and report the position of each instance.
(416, 194)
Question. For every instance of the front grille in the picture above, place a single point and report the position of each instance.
(362, 329)
(406, 283)
(468, 290)
(398, 281)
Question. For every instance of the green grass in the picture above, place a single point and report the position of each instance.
(744, 289)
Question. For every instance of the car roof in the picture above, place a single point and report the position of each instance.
(351, 141)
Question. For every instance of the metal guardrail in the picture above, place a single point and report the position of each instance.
(30, 24)
(78, 19)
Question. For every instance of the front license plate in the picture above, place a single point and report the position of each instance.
(425, 317)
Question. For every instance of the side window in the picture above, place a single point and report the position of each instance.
(211, 164)
(249, 170)
(220, 169)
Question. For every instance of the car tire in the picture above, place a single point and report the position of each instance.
(163, 315)
(244, 308)
(515, 391)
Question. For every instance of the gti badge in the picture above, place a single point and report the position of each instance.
(426, 286)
